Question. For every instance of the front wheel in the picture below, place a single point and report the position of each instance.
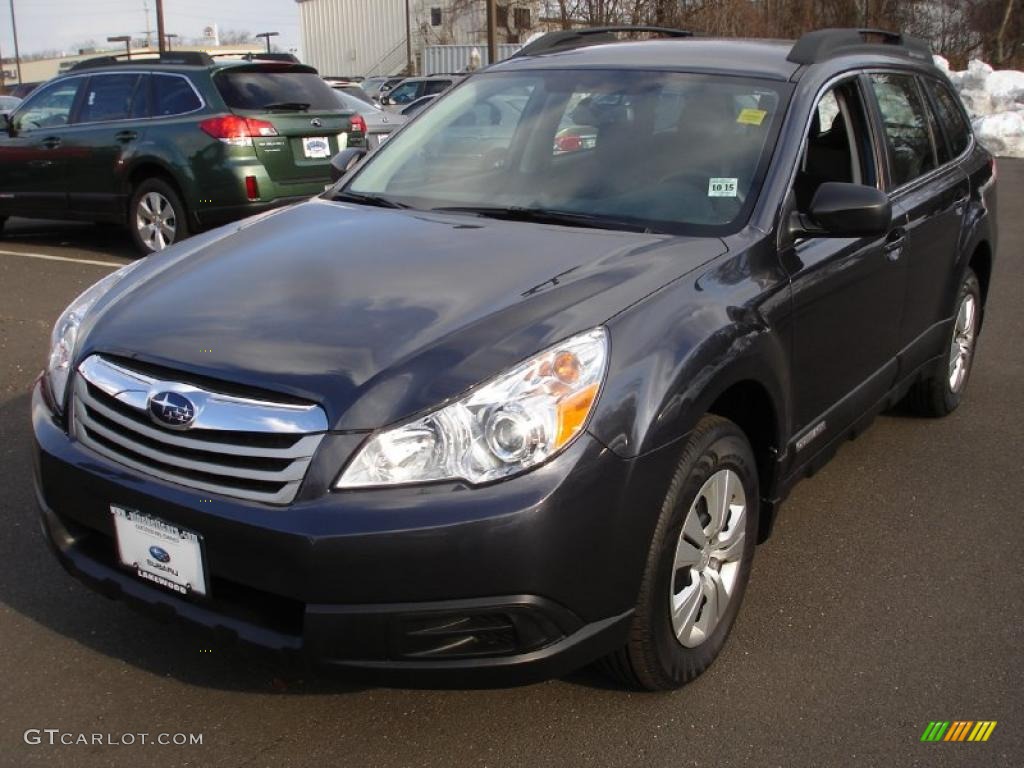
(698, 564)
(939, 393)
(156, 216)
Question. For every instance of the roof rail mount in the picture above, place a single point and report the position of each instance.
(824, 44)
(174, 58)
(567, 39)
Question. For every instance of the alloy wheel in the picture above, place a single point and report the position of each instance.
(156, 221)
(962, 344)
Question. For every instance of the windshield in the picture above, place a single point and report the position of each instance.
(673, 152)
(348, 101)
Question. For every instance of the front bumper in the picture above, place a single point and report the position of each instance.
(516, 581)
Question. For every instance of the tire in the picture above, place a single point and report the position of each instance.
(940, 392)
(654, 658)
(156, 216)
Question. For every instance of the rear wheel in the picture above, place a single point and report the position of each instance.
(939, 394)
(156, 216)
(698, 564)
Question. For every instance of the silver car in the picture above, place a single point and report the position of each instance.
(380, 124)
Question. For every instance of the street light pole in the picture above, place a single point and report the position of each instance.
(127, 40)
(17, 55)
(266, 36)
(169, 36)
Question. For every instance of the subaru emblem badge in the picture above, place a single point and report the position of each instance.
(172, 409)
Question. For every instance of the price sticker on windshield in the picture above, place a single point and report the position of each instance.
(722, 187)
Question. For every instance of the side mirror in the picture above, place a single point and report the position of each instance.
(345, 161)
(839, 209)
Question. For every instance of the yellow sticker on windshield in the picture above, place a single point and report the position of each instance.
(751, 116)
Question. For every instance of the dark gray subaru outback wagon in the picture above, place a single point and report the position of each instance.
(512, 415)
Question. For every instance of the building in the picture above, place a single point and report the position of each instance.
(368, 37)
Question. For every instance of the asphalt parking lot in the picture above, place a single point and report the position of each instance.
(891, 595)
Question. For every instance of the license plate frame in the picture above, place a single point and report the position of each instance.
(160, 552)
(323, 150)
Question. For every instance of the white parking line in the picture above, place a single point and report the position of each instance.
(49, 257)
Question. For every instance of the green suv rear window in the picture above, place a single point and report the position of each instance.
(256, 90)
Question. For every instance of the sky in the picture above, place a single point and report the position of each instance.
(64, 24)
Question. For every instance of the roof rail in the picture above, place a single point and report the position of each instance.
(825, 44)
(567, 39)
(179, 58)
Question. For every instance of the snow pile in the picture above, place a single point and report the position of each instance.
(995, 101)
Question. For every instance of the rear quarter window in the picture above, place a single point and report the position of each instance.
(256, 89)
(951, 116)
(173, 95)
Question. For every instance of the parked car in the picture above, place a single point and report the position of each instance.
(387, 86)
(414, 107)
(413, 88)
(374, 123)
(372, 85)
(504, 421)
(22, 90)
(8, 103)
(353, 89)
(170, 146)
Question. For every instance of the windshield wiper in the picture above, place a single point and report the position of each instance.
(364, 199)
(287, 106)
(545, 216)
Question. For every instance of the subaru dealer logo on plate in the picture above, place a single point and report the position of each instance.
(160, 554)
(172, 409)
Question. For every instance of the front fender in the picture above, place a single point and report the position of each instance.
(724, 326)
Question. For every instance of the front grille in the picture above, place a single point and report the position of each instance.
(237, 446)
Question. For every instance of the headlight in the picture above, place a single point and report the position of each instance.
(65, 332)
(503, 427)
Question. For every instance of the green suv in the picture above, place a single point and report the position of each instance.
(170, 145)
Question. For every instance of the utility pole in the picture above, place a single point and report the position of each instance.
(17, 55)
(492, 32)
(1, 69)
(161, 40)
(408, 40)
(149, 27)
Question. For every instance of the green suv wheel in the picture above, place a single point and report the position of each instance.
(157, 216)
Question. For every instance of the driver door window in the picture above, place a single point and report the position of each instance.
(837, 146)
(50, 108)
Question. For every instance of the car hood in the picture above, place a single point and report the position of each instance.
(376, 314)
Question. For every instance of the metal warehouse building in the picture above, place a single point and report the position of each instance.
(368, 37)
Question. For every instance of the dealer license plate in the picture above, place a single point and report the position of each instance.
(160, 552)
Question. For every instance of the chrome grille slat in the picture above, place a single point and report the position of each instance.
(215, 457)
(301, 450)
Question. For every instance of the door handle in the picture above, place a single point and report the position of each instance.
(51, 142)
(894, 243)
(125, 136)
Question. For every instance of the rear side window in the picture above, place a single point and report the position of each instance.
(435, 86)
(173, 95)
(259, 90)
(907, 129)
(109, 97)
(951, 116)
